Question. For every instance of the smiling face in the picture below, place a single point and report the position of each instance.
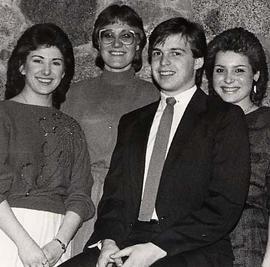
(117, 55)
(43, 71)
(233, 78)
(173, 65)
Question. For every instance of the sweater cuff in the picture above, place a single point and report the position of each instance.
(85, 212)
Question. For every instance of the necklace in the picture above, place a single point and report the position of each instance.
(249, 108)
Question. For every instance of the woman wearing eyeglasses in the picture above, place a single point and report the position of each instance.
(99, 103)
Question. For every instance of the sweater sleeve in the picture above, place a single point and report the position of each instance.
(81, 181)
(6, 173)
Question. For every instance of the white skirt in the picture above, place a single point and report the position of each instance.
(42, 226)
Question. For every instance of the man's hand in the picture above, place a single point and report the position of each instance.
(108, 248)
(141, 255)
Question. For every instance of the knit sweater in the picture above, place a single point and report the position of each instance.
(44, 162)
(98, 103)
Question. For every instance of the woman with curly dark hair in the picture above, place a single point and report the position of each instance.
(45, 178)
(236, 69)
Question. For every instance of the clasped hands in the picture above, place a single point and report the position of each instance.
(140, 255)
(32, 255)
(53, 252)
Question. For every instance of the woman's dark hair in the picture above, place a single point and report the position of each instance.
(123, 14)
(191, 31)
(240, 41)
(35, 37)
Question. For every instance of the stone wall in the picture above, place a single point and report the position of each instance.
(76, 17)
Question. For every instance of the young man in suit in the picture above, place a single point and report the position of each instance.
(179, 173)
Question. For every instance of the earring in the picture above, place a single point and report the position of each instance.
(21, 69)
(255, 89)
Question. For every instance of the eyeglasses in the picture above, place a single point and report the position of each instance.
(126, 37)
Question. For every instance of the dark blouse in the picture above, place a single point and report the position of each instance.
(259, 138)
(44, 162)
(249, 238)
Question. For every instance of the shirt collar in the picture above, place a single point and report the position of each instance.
(183, 96)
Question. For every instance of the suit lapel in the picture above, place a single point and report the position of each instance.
(138, 148)
(190, 119)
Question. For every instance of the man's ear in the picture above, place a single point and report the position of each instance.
(22, 70)
(198, 63)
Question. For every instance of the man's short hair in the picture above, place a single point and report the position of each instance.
(192, 32)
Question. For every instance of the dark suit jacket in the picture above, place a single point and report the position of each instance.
(204, 181)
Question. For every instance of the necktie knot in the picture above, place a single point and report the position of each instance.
(170, 101)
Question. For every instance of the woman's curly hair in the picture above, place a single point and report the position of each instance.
(240, 41)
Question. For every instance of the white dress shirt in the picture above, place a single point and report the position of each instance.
(182, 100)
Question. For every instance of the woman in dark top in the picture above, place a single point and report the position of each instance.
(45, 178)
(237, 71)
(98, 103)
